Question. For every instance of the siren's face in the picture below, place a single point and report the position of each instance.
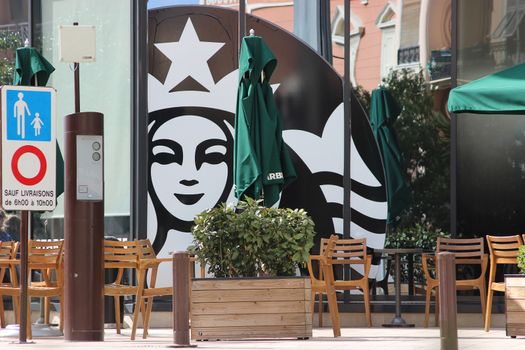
(189, 171)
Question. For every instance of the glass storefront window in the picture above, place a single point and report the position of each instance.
(491, 37)
(490, 148)
(105, 86)
(14, 30)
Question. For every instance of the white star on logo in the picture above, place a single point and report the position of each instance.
(189, 57)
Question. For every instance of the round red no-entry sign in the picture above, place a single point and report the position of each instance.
(29, 181)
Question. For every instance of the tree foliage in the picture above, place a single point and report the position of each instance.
(423, 136)
(9, 41)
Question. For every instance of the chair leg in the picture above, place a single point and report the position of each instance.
(61, 313)
(320, 309)
(367, 305)
(2, 316)
(149, 307)
(436, 309)
(488, 309)
(427, 304)
(16, 308)
(138, 308)
(482, 297)
(29, 331)
(116, 298)
(334, 312)
(46, 309)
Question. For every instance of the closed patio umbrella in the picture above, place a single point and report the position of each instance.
(31, 68)
(261, 165)
(384, 111)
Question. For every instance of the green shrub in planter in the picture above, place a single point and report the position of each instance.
(418, 236)
(521, 259)
(252, 240)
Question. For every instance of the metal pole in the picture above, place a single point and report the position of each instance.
(347, 88)
(139, 125)
(447, 301)
(454, 125)
(76, 69)
(242, 20)
(24, 321)
(181, 300)
(398, 288)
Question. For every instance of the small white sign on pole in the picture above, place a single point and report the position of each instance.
(28, 148)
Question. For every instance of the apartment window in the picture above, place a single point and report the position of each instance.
(338, 36)
(386, 21)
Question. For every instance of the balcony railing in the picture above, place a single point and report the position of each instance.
(408, 55)
(439, 65)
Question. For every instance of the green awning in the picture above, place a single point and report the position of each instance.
(499, 93)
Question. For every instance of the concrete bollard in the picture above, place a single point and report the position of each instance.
(447, 301)
(181, 300)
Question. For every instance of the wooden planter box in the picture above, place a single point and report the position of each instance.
(515, 305)
(240, 308)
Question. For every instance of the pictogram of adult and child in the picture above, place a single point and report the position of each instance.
(19, 112)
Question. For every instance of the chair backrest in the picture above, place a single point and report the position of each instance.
(324, 243)
(121, 254)
(8, 249)
(466, 251)
(7, 252)
(45, 254)
(504, 249)
(346, 251)
(146, 249)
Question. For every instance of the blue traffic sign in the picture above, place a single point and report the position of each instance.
(28, 115)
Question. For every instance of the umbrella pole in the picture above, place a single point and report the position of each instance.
(242, 21)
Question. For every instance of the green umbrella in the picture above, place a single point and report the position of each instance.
(498, 93)
(261, 164)
(384, 111)
(32, 68)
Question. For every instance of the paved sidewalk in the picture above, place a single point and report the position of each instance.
(352, 338)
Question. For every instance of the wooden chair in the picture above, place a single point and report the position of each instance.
(467, 252)
(121, 256)
(149, 265)
(48, 258)
(346, 252)
(318, 284)
(503, 250)
(8, 252)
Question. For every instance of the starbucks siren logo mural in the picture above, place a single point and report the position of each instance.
(192, 82)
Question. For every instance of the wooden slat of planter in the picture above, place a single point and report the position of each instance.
(515, 317)
(516, 305)
(514, 292)
(200, 296)
(212, 284)
(253, 332)
(515, 281)
(251, 308)
(515, 329)
(238, 320)
(246, 307)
